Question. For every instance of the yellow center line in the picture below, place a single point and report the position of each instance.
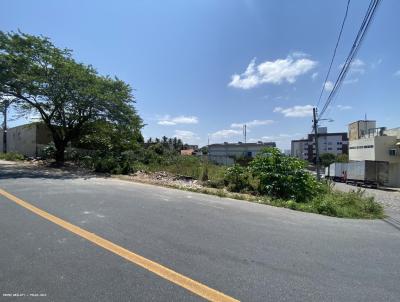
(158, 269)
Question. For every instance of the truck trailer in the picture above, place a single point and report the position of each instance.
(336, 171)
(368, 172)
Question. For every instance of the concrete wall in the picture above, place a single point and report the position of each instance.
(225, 154)
(394, 175)
(299, 149)
(377, 148)
(360, 128)
(393, 132)
(358, 149)
(27, 139)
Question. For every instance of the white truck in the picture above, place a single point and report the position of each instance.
(366, 172)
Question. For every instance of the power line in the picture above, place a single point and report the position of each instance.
(353, 51)
(334, 52)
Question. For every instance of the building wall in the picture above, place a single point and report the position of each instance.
(27, 139)
(374, 148)
(377, 148)
(394, 175)
(393, 132)
(334, 143)
(299, 149)
(360, 128)
(226, 153)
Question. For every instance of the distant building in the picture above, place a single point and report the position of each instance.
(367, 142)
(335, 143)
(227, 153)
(28, 139)
(188, 152)
(187, 147)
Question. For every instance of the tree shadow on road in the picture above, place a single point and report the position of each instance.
(35, 172)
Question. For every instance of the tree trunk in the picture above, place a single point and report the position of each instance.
(60, 149)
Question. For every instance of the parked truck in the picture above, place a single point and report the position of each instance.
(367, 172)
(336, 171)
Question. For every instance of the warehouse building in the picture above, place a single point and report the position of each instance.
(228, 153)
(28, 139)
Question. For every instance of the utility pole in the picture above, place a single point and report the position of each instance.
(315, 122)
(5, 104)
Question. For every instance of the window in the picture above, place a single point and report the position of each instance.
(392, 152)
(329, 143)
(329, 149)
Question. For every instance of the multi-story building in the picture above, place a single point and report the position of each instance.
(378, 144)
(334, 143)
(227, 153)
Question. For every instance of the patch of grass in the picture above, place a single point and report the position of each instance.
(353, 204)
(189, 166)
(12, 156)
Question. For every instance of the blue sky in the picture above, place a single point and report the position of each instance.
(201, 68)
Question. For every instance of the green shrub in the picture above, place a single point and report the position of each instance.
(49, 151)
(86, 162)
(217, 184)
(12, 156)
(127, 168)
(237, 178)
(353, 204)
(283, 176)
(204, 173)
(107, 165)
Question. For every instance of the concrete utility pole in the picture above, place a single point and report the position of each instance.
(5, 104)
(315, 122)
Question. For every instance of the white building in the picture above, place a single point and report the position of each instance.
(376, 144)
(334, 143)
(227, 153)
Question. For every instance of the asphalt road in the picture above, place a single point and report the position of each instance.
(248, 251)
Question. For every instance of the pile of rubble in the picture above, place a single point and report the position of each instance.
(165, 178)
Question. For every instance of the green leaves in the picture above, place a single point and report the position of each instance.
(282, 176)
(69, 96)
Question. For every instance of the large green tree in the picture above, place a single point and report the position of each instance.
(69, 96)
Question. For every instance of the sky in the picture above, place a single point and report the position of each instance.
(200, 69)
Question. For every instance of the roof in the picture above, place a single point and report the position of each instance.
(266, 144)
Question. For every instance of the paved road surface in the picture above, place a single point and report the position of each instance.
(248, 251)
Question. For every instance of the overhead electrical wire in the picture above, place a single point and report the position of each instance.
(334, 52)
(353, 51)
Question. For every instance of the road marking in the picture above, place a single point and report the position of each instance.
(158, 269)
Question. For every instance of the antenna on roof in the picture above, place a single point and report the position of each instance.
(245, 132)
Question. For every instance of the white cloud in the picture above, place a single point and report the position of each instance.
(328, 86)
(295, 111)
(344, 107)
(170, 121)
(226, 133)
(376, 63)
(351, 81)
(299, 54)
(314, 75)
(356, 66)
(166, 123)
(253, 123)
(397, 73)
(273, 72)
(186, 136)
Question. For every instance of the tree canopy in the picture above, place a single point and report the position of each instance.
(71, 98)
